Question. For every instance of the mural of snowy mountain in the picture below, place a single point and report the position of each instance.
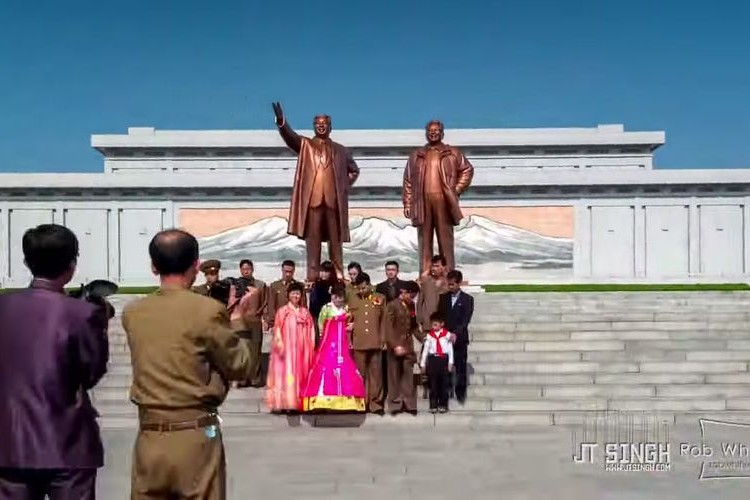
(479, 242)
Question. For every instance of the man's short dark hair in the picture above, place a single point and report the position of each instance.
(362, 279)
(287, 263)
(354, 265)
(248, 262)
(295, 286)
(327, 266)
(411, 287)
(173, 251)
(455, 275)
(49, 250)
(436, 316)
(439, 259)
(392, 263)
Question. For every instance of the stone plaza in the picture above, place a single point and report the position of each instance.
(409, 460)
(542, 365)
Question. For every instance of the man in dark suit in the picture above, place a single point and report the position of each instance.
(457, 307)
(392, 285)
(53, 349)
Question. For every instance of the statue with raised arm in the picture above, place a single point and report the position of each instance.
(319, 210)
(435, 176)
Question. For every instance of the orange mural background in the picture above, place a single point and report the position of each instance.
(554, 221)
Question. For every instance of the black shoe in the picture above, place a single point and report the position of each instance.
(443, 410)
(433, 410)
(412, 412)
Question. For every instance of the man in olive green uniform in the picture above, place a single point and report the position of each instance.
(213, 287)
(401, 330)
(184, 355)
(368, 339)
(248, 304)
(277, 292)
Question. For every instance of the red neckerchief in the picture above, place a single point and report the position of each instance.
(437, 336)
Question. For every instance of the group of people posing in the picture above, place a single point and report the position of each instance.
(350, 345)
(186, 350)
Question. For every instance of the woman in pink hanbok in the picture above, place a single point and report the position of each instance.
(292, 351)
(334, 383)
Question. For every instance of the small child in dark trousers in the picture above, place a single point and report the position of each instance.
(437, 362)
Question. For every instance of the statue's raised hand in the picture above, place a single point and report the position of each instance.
(279, 113)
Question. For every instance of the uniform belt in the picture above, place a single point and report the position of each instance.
(198, 423)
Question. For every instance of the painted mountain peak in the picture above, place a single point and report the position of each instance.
(479, 241)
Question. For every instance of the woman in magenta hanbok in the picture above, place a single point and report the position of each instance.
(292, 351)
(334, 383)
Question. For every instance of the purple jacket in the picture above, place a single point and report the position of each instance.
(53, 349)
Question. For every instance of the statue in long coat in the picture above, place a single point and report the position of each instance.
(319, 209)
(436, 175)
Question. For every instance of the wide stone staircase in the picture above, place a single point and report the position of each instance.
(554, 359)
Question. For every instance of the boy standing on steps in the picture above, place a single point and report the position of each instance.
(437, 362)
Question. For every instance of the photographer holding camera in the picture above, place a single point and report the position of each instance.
(53, 349)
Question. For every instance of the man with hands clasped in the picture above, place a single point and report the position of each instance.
(401, 328)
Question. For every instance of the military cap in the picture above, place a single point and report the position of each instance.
(209, 266)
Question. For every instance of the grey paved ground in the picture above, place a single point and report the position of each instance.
(411, 462)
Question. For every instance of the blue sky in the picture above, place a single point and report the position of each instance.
(71, 69)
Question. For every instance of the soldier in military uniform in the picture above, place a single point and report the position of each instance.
(184, 355)
(368, 339)
(401, 329)
(247, 304)
(213, 287)
(277, 292)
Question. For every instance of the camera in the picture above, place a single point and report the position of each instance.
(220, 291)
(95, 293)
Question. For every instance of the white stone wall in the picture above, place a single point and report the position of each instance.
(616, 239)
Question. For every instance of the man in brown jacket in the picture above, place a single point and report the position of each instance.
(184, 355)
(368, 339)
(248, 304)
(430, 289)
(277, 292)
(401, 329)
(434, 178)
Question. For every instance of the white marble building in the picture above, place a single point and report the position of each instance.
(546, 205)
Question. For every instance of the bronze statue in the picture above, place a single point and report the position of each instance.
(319, 210)
(435, 176)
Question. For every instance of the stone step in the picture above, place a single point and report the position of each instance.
(568, 399)
(118, 344)
(254, 403)
(556, 367)
(593, 367)
(651, 378)
(625, 335)
(451, 420)
(109, 395)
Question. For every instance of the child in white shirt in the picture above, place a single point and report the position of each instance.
(437, 361)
